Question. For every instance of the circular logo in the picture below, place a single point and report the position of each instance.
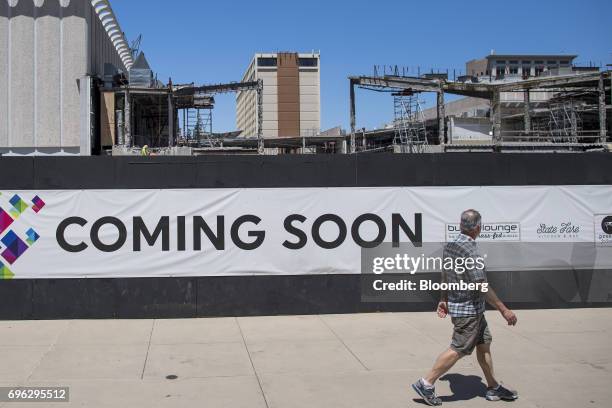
(606, 225)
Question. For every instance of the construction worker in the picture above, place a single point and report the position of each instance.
(145, 151)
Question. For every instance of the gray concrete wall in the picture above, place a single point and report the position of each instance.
(4, 73)
(21, 69)
(461, 107)
(74, 64)
(476, 67)
(101, 49)
(48, 75)
(469, 129)
(45, 47)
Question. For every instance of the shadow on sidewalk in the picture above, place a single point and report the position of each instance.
(463, 388)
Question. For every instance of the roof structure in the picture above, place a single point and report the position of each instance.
(141, 62)
(530, 56)
(111, 25)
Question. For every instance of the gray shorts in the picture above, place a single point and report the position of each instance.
(468, 332)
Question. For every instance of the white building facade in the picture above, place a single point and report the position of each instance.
(291, 95)
(50, 53)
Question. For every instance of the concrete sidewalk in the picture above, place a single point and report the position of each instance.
(555, 358)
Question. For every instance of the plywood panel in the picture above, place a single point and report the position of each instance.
(107, 118)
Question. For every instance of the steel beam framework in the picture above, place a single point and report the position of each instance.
(489, 91)
(257, 86)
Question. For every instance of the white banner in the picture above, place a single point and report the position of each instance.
(205, 232)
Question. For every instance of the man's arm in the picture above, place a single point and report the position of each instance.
(493, 300)
(479, 275)
(443, 294)
(443, 303)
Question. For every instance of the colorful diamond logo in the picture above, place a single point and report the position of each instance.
(5, 272)
(18, 204)
(5, 220)
(11, 245)
(38, 204)
(15, 247)
(32, 236)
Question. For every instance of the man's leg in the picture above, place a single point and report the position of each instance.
(443, 363)
(463, 342)
(425, 386)
(483, 353)
(495, 391)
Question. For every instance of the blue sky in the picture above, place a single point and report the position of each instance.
(213, 41)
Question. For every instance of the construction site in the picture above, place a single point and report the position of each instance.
(120, 107)
(559, 110)
(549, 108)
(178, 225)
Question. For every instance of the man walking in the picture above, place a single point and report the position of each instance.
(466, 308)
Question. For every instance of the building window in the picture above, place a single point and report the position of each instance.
(539, 70)
(266, 62)
(308, 62)
(513, 70)
(526, 70)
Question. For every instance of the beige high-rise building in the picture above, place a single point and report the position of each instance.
(291, 95)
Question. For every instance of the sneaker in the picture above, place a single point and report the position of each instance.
(427, 393)
(501, 393)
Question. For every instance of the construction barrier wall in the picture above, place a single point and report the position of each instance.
(39, 194)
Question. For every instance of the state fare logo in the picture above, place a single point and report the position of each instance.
(563, 230)
(12, 245)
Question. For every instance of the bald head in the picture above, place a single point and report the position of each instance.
(470, 222)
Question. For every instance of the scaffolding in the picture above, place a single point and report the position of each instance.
(197, 127)
(191, 97)
(564, 122)
(525, 125)
(409, 124)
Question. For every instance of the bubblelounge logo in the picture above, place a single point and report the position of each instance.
(493, 231)
(13, 246)
(606, 225)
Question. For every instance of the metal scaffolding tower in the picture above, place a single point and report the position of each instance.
(202, 98)
(564, 121)
(409, 124)
(197, 122)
